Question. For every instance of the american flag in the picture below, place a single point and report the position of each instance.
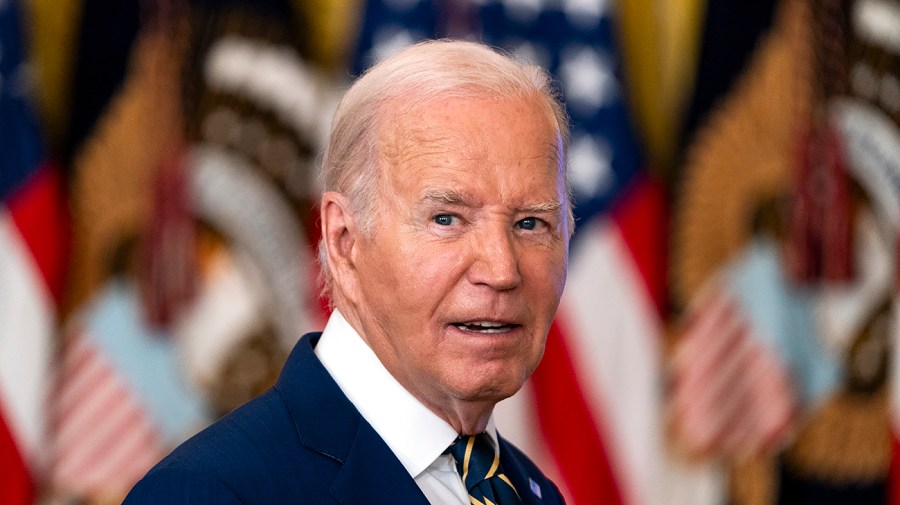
(122, 398)
(33, 249)
(591, 415)
(104, 439)
(732, 392)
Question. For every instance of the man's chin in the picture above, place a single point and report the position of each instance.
(490, 391)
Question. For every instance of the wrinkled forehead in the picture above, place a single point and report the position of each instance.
(411, 128)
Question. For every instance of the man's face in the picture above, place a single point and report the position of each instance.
(463, 272)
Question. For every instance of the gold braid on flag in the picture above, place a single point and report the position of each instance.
(117, 166)
(743, 156)
(114, 173)
(746, 156)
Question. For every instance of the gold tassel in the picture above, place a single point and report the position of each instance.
(754, 481)
(848, 441)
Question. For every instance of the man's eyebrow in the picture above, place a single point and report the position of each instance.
(543, 207)
(453, 197)
(445, 196)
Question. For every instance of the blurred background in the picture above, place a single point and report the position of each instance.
(727, 331)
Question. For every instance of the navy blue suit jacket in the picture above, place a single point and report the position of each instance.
(302, 442)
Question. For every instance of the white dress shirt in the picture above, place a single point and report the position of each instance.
(416, 435)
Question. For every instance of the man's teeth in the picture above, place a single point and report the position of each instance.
(484, 327)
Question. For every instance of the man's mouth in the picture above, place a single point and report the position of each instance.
(485, 327)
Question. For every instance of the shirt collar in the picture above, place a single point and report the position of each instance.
(415, 434)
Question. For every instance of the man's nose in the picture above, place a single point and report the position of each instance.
(496, 262)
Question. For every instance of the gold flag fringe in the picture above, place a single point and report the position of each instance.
(847, 441)
(743, 156)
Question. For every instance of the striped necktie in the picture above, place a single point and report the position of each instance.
(479, 465)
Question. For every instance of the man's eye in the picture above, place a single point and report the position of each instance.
(444, 219)
(529, 223)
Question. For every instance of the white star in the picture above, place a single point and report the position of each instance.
(589, 166)
(523, 11)
(535, 54)
(585, 13)
(388, 40)
(588, 79)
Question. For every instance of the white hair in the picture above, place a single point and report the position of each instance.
(401, 83)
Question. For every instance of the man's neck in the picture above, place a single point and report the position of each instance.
(467, 417)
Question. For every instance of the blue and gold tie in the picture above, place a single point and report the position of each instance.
(479, 466)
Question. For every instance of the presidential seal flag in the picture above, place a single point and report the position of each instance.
(791, 389)
(591, 414)
(188, 298)
(33, 235)
(120, 400)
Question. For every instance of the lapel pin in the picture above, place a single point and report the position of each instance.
(535, 487)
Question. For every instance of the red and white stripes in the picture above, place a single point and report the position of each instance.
(104, 439)
(731, 394)
(33, 250)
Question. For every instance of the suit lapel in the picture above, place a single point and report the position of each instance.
(328, 423)
(372, 474)
(529, 490)
(325, 420)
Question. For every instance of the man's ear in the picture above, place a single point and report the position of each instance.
(340, 234)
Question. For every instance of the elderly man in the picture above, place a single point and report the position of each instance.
(445, 229)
